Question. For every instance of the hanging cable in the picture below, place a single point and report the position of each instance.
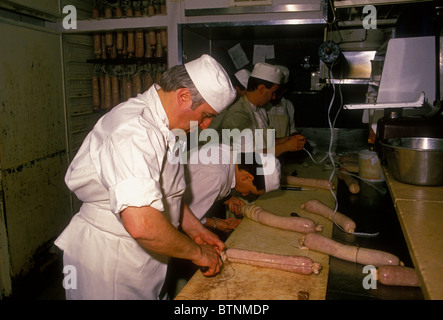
(331, 156)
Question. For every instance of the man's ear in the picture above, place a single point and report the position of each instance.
(261, 88)
(245, 175)
(184, 97)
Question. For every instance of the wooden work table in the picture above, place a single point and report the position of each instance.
(420, 212)
(245, 282)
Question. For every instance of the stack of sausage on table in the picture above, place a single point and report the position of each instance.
(390, 270)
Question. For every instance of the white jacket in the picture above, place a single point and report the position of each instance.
(122, 162)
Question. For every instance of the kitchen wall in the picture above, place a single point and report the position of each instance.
(33, 158)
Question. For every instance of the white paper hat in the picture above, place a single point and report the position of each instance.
(268, 72)
(271, 171)
(284, 74)
(212, 81)
(243, 77)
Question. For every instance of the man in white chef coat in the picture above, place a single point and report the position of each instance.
(280, 110)
(119, 243)
(248, 112)
(214, 170)
(240, 83)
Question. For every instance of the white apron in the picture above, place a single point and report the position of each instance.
(210, 176)
(280, 122)
(281, 118)
(104, 261)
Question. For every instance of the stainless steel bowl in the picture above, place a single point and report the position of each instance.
(417, 161)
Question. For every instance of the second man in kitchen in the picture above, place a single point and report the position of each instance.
(249, 113)
(215, 170)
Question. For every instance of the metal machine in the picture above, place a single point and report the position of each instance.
(408, 98)
(407, 82)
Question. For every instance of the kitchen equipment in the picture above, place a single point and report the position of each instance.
(407, 83)
(415, 160)
(329, 52)
(412, 126)
(408, 76)
(369, 166)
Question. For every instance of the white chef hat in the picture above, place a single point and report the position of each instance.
(284, 74)
(268, 72)
(271, 170)
(243, 77)
(212, 81)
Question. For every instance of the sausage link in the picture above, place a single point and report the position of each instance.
(108, 94)
(365, 256)
(136, 85)
(298, 224)
(296, 264)
(115, 91)
(350, 181)
(397, 276)
(139, 44)
(308, 182)
(318, 207)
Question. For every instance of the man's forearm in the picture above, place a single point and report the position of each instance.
(199, 233)
(190, 224)
(153, 231)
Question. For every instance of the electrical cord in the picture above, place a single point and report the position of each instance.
(331, 158)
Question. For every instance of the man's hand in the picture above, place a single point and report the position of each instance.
(227, 225)
(209, 258)
(153, 231)
(295, 142)
(235, 204)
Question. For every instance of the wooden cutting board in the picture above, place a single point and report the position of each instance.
(244, 282)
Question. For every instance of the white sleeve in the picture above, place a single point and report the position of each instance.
(203, 189)
(129, 166)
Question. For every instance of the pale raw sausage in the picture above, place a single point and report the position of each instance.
(296, 264)
(397, 276)
(317, 183)
(318, 207)
(365, 256)
(298, 224)
(350, 181)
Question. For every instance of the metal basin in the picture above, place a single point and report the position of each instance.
(417, 161)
